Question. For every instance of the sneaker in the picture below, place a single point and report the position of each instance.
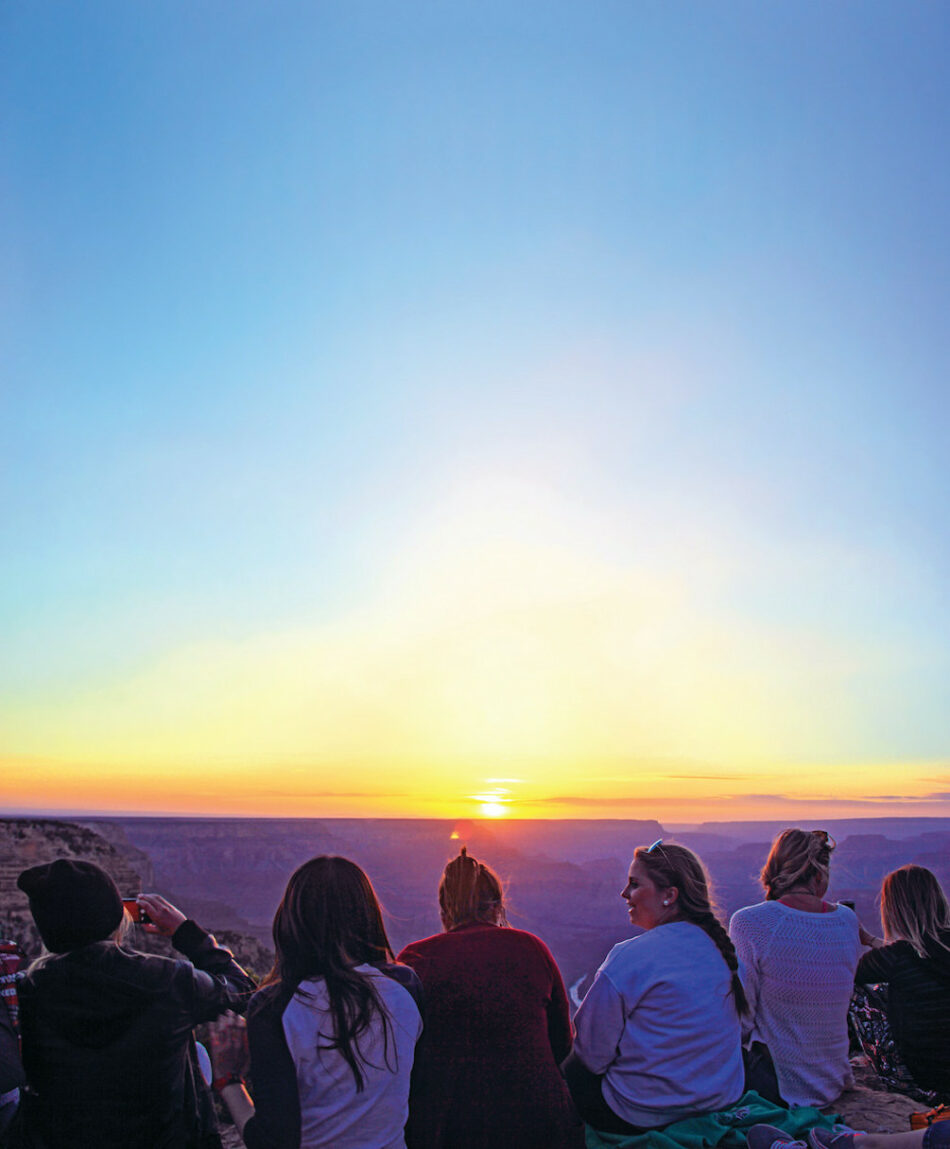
(837, 1137)
(771, 1137)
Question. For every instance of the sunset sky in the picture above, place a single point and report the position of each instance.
(466, 409)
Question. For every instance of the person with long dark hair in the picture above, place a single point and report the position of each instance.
(902, 1009)
(332, 1030)
(497, 1025)
(797, 956)
(658, 1033)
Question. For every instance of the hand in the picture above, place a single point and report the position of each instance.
(229, 1049)
(165, 917)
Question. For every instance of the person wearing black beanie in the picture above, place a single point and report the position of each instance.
(107, 1035)
(73, 903)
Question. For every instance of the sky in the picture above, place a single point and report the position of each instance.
(464, 410)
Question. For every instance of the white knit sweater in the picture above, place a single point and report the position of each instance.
(797, 969)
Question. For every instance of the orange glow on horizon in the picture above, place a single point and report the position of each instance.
(594, 791)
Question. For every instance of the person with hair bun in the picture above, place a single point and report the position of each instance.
(658, 1033)
(497, 1025)
(797, 957)
(904, 1024)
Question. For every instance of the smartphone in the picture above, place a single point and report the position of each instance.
(137, 913)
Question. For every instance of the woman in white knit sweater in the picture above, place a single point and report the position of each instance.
(797, 956)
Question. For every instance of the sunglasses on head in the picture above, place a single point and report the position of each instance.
(825, 836)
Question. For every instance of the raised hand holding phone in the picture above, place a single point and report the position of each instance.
(164, 918)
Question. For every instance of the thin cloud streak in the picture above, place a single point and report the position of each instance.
(732, 799)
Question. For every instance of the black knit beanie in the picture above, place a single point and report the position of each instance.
(72, 903)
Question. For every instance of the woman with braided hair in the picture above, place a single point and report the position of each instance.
(797, 958)
(496, 1026)
(658, 1034)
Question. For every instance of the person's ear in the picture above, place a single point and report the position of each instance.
(670, 895)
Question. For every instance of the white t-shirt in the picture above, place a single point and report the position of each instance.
(797, 969)
(332, 1112)
(660, 1023)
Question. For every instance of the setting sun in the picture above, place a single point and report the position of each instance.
(493, 810)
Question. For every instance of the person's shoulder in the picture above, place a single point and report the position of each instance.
(629, 950)
(756, 911)
(403, 976)
(683, 933)
(526, 946)
(525, 939)
(847, 917)
(897, 949)
(398, 972)
(421, 948)
(116, 961)
(269, 1003)
(105, 969)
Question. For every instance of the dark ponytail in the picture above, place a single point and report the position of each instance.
(669, 865)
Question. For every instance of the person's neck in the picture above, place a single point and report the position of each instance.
(800, 899)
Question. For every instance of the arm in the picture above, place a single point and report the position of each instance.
(273, 1121)
(868, 939)
(218, 982)
(748, 969)
(600, 1023)
(877, 965)
(560, 1034)
(231, 1061)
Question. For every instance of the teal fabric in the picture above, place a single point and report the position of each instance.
(726, 1129)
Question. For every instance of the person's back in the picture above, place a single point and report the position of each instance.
(797, 956)
(679, 1050)
(496, 1026)
(798, 969)
(915, 966)
(106, 1035)
(107, 1031)
(314, 1088)
(331, 1033)
(918, 1006)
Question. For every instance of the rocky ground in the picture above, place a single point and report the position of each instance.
(868, 1106)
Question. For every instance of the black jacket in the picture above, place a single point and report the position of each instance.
(107, 1042)
(918, 1005)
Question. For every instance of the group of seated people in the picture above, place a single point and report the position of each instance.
(465, 1039)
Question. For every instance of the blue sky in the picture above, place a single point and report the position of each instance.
(300, 304)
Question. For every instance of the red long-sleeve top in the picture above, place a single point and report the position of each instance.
(497, 1025)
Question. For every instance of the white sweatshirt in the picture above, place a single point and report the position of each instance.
(660, 1022)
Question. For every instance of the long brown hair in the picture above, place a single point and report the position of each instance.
(328, 922)
(796, 858)
(914, 907)
(669, 865)
(470, 891)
